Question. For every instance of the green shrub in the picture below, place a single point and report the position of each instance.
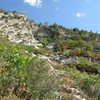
(44, 41)
(42, 85)
(25, 76)
(89, 84)
(83, 61)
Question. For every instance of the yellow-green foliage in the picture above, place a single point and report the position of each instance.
(24, 75)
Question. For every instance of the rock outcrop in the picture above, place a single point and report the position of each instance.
(17, 28)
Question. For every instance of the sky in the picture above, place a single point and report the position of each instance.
(83, 14)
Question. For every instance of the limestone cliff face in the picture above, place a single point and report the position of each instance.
(17, 28)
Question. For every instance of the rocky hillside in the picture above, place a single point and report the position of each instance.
(47, 62)
(17, 27)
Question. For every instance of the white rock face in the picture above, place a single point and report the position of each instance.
(17, 28)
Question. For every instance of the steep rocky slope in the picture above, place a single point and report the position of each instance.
(17, 27)
(65, 67)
